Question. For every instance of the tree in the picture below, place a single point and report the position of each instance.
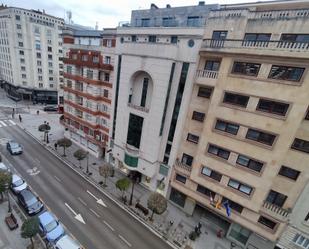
(5, 182)
(45, 128)
(105, 172)
(30, 228)
(80, 155)
(123, 185)
(65, 143)
(156, 203)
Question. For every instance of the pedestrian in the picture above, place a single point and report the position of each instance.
(56, 145)
(19, 116)
(37, 112)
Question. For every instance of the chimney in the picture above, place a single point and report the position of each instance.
(201, 3)
(153, 6)
(168, 6)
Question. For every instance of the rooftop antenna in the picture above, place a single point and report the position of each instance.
(96, 26)
(69, 16)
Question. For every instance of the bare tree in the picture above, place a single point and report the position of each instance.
(105, 171)
(65, 143)
(157, 204)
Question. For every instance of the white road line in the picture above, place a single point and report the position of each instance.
(4, 124)
(71, 209)
(84, 203)
(57, 179)
(37, 160)
(99, 201)
(12, 122)
(124, 240)
(109, 226)
(94, 213)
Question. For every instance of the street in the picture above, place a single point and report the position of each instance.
(93, 219)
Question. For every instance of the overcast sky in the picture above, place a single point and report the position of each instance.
(106, 12)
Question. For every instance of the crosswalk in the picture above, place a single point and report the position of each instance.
(6, 122)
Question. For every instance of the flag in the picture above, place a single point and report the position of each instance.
(228, 208)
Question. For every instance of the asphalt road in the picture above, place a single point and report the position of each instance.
(67, 194)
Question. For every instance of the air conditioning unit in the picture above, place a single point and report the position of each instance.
(97, 137)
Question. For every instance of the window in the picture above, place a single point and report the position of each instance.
(38, 55)
(257, 37)
(133, 38)
(107, 60)
(51, 85)
(276, 198)
(95, 59)
(39, 70)
(51, 78)
(24, 76)
(178, 197)
(204, 92)
(192, 138)
(236, 99)
(301, 241)
(84, 57)
(37, 30)
(20, 44)
(294, 37)
(219, 35)
(193, 21)
(50, 71)
(212, 65)
(246, 68)
(135, 130)
(286, 73)
(187, 159)
(289, 172)
(17, 17)
(168, 21)
(38, 46)
(215, 150)
(249, 163)
(152, 38)
(144, 92)
(205, 191)
(69, 69)
(19, 35)
(240, 186)
(40, 77)
(198, 116)
(106, 77)
(50, 64)
(145, 22)
(181, 178)
(50, 57)
(267, 222)
(261, 137)
(105, 93)
(18, 26)
(49, 49)
(301, 145)
(89, 74)
(233, 205)
(22, 60)
(272, 107)
(22, 68)
(21, 52)
(227, 127)
(40, 84)
(211, 173)
(174, 39)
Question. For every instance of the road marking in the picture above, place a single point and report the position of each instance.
(94, 213)
(76, 216)
(4, 124)
(99, 201)
(12, 122)
(57, 179)
(109, 226)
(38, 161)
(84, 203)
(124, 240)
(34, 171)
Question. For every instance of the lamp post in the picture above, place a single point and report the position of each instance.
(133, 177)
(87, 168)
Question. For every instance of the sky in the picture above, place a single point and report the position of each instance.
(107, 13)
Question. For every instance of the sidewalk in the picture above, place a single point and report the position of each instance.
(178, 233)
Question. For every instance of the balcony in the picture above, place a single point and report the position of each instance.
(182, 168)
(276, 48)
(132, 150)
(206, 76)
(139, 108)
(275, 211)
(77, 77)
(88, 63)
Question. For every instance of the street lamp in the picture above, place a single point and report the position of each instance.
(87, 169)
(134, 178)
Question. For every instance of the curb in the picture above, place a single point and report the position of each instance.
(130, 212)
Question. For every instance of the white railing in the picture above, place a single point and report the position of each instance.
(276, 210)
(139, 108)
(207, 74)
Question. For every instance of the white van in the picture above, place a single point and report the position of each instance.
(66, 242)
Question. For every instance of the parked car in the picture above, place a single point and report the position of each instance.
(30, 202)
(66, 242)
(51, 108)
(4, 167)
(50, 227)
(14, 148)
(18, 184)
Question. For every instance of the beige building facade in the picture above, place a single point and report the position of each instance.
(243, 159)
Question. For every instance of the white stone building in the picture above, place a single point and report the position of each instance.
(155, 71)
(30, 52)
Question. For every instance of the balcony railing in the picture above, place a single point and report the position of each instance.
(207, 74)
(139, 108)
(186, 169)
(131, 149)
(276, 211)
(268, 45)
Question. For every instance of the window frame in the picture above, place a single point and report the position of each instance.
(215, 175)
(250, 161)
(276, 198)
(260, 138)
(240, 185)
(302, 69)
(220, 150)
(272, 106)
(286, 168)
(298, 140)
(180, 178)
(192, 140)
(198, 113)
(264, 224)
(226, 126)
(188, 156)
(245, 64)
(236, 96)
(205, 92)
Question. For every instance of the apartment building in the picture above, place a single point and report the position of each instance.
(184, 16)
(243, 158)
(296, 234)
(30, 49)
(89, 73)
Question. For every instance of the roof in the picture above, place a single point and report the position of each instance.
(46, 218)
(88, 33)
(67, 242)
